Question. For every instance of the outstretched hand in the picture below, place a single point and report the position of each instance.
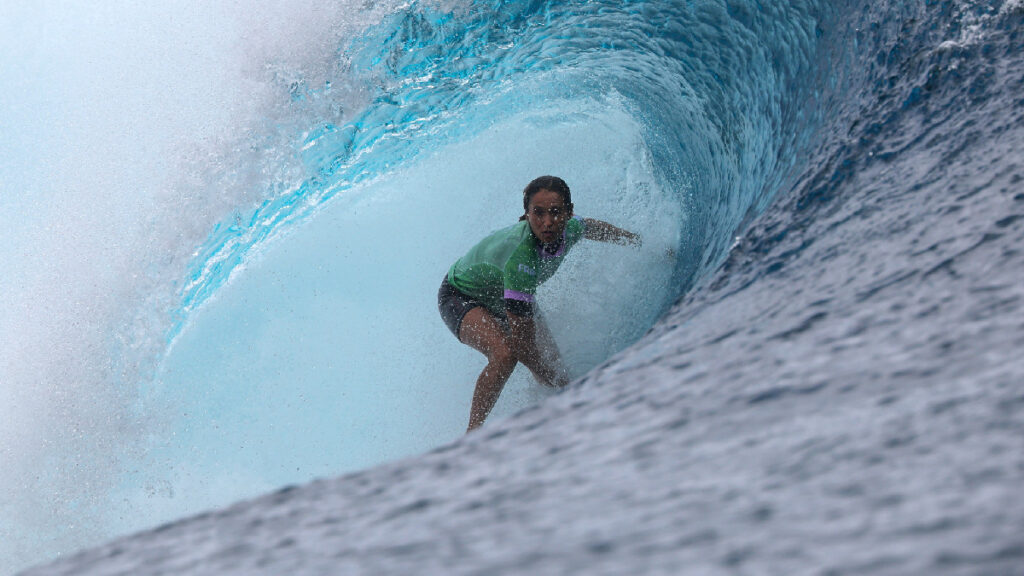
(602, 231)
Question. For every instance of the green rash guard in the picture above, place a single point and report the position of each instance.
(508, 265)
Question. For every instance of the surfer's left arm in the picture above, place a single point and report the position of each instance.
(604, 232)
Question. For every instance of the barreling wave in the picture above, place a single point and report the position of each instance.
(723, 95)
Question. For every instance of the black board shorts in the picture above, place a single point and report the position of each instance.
(454, 305)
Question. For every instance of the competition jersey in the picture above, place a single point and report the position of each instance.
(510, 264)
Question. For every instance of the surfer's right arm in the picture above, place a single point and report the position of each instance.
(602, 231)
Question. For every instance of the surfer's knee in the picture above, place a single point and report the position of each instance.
(501, 356)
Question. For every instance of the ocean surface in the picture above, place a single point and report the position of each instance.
(224, 227)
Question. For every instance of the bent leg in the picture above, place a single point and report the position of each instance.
(549, 371)
(481, 330)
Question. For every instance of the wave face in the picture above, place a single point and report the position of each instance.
(820, 378)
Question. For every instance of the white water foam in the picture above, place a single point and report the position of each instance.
(125, 136)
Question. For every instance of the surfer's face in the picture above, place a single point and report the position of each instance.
(548, 215)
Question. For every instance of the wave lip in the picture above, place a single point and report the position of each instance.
(720, 116)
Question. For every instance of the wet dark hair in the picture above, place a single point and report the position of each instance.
(552, 183)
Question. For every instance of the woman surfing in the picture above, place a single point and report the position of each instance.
(487, 299)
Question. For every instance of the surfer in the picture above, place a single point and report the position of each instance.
(487, 297)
